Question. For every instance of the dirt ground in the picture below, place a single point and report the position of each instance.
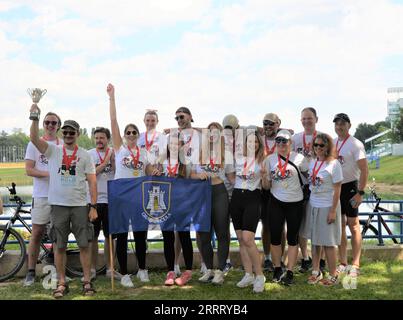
(387, 188)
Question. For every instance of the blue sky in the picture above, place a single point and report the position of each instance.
(216, 57)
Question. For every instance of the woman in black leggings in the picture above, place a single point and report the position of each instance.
(286, 203)
(172, 167)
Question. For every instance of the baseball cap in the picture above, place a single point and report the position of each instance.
(185, 110)
(72, 124)
(284, 134)
(230, 121)
(272, 117)
(341, 116)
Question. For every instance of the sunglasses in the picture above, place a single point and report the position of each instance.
(181, 117)
(134, 133)
(281, 140)
(69, 133)
(228, 127)
(320, 145)
(47, 122)
(268, 123)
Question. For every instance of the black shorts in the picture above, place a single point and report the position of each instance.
(245, 209)
(102, 220)
(348, 190)
(266, 195)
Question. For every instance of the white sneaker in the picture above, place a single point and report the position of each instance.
(143, 275)
(93, 275)
(247, 280)
(203, 268)
(258, 285)
(207, 276)
(116, 275)
(126, 281)
(218, 277)
(177, 270)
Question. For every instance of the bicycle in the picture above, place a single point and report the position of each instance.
(12, 241)
(367, 225)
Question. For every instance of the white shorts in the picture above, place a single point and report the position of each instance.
(40, 212)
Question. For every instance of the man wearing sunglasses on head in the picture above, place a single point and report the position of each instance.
(36, 166)
(70, 167)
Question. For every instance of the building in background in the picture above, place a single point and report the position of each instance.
(395, 103)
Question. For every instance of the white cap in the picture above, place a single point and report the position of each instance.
(284, 134)
(231, 121)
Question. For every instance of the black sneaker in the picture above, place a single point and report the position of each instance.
(278, 273)
(283, 267)
(268, 265)
(322, 265)
(288, 278)
(306, 265)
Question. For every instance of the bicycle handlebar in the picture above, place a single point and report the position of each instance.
(13, 194)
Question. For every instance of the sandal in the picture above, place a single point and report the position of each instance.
(88, 291)
(60, 293)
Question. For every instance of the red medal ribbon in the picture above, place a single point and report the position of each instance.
(308, 146)
(315, 172)
(337, 145)
(269, 150)
(100, 158)
(67, 160)
(149, 145)
(172, 171)
(281, 167)
(212, 163)
(135, 158)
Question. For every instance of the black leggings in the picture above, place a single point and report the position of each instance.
(169, 248)
(140, 240)
(220, 224)
(281, 212)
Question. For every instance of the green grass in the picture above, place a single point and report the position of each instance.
(8, 175)
(390, 170)
(379, 280)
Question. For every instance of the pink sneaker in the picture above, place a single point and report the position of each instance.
(170, 278)
(184, 278)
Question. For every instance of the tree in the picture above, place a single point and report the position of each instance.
(397, 134)
(365, 131)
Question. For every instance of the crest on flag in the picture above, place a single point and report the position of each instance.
(156, 201)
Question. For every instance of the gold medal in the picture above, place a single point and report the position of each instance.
(285, 184)
(66, 173)
(136, 173)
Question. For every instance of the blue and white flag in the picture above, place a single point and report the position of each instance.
(174, 204)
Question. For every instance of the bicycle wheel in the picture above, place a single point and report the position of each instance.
(369, 230)
(12, 253)
(73, 265)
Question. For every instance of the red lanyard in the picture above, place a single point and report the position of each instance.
(308, 146)
(100, 158)
(172, 171)
(135, 158)
(315, 172)
(247, 167)
(212, 163)
(46, 139)
(269, 150)
(67, 160)
(337, 145)
(149, 145)
(281, 167)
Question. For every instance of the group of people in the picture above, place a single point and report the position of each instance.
(300, 186)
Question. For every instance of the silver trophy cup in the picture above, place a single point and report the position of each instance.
(36, 94)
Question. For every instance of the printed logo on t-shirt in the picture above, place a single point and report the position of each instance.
(68, 174)
(305, 152)
(341, 160)
(43, 159)
(107, 169)
(315, 184)
(209, 168)
(277, 176)
(128, 163)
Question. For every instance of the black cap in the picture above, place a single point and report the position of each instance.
(185, 110)
(72, 124)
(341, 116)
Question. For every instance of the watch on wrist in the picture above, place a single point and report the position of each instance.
(361, 192)
(93, 206)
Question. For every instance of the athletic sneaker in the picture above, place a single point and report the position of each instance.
(305, 266)
(278, 272)
(247, 280)
(184, 278)
(143, 275)
(288, 278)
(170, 281)
(329, 281)
(29, 279)
(218, 277)
(268, 265)
(315, 277)
(93, 275)
(258, 285)
(177, 270)
(354, 271)
(207, 276)
(116, 275)
(227, 268)
(322, 265)
(126, 281)
(203, 268)
(341, 269)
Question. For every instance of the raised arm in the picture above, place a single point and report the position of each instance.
(116, 138)
(40, 144)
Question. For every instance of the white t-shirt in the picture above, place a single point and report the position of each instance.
(247, 177)
(298, 144)
(68, 186)
(322, 191)
(103, 177)
(41, 185)
(287, 188)
(217, 172)
(158, 143)
(125, 166)
(352, 151)
(269, 145)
